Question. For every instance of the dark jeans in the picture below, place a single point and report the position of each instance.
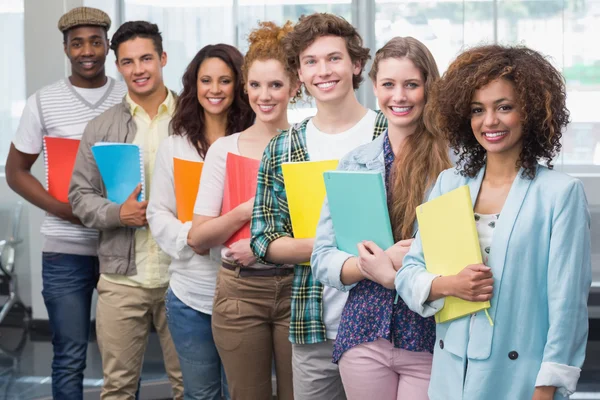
(68, 284)
(203, 374)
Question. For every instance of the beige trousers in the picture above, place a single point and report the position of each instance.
(250, 324)
(124, 316)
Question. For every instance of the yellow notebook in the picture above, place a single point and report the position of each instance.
(450, 243)
(305, 189)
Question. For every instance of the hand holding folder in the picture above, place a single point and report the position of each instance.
(450, 243)
(121, 166)
(133, 212)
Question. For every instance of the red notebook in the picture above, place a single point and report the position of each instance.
(59, 160)
(240, 186)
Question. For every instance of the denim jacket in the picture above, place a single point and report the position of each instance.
(371, 311)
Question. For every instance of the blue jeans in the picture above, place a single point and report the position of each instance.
(68, 285)
(203, 374)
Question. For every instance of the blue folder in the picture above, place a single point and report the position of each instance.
(358, 206)
(121, 166)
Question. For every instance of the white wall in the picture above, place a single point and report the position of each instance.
(45, 63)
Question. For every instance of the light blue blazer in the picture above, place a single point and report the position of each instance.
(541, 260)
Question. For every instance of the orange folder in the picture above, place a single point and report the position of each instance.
(240, 186)
(59, 160)
(187, 181)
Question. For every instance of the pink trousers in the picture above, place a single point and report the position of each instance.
(379, 371)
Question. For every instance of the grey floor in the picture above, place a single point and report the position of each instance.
(26, 374)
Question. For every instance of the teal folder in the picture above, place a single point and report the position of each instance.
(121, 167)
(358, 206)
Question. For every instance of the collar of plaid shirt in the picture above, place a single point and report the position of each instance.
(271, 220)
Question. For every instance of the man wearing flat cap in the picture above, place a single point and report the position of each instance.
(69, 259)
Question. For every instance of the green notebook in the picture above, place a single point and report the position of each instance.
(358, 207)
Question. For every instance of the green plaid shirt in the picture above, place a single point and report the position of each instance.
(271, 220)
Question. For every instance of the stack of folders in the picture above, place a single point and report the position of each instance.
(450, 243)
(186, 175)
(59, 161)
(121, 166)
(305, 191)
(358, 206)
(240, 186)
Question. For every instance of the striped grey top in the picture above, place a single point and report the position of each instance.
(64, 111)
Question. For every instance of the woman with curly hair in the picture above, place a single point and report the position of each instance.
(251, 313)
(383, 348)
(503, 110)
(212, 105)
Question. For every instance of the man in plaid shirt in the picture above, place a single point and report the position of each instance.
(328, 54)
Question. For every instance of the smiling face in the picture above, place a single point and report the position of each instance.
(141, 66)
(216, 85)
(86, 47)
(326, 69)
(400, 92)
(496, 119)
(269, 90)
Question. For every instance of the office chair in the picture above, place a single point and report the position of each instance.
(8, 277)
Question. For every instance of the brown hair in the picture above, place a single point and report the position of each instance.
(311, 27)
(424, 153)
(188, 119)
(541, 99)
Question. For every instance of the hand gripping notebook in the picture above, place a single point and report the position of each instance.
(59, 160)
(240, 186)
(187, 180)
(450, 243)
(121, 167)
(358, 206)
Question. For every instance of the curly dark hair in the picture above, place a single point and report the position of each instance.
(311, 27)
(188, 119)
(541, 98)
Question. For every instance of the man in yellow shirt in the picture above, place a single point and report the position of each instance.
(134, 271)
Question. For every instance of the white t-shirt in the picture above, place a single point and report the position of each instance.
(193, 277)
(92, 96)
(327, 146)
(210, 195)
(324, 146)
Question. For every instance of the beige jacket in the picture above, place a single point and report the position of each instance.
(87, 195)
